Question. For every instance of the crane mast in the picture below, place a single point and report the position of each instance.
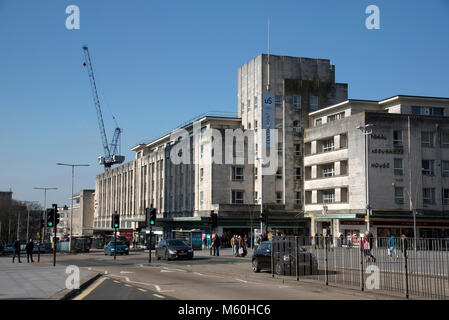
(110, 152)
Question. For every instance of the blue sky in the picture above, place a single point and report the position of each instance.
(159, 63)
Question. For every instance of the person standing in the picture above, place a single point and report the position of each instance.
(232, 245)
(29, 250)
(216, 244)
(392, 246)
(16, 246)
(371, 246)
(236, 245)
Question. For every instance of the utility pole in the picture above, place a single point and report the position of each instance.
(71, 208)
(44, 218)
(367, 132)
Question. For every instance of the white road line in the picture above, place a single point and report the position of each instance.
(127, 279)
(122, 272)
(157, 288)
(242, 280)
(180, 270)
(167, 271)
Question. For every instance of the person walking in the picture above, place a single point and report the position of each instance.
(365, 247)
(392, 247)
(236, 245)
(232, 245)
(242, 250)
(216, 244)
(371, 246)
(29, 250)
(16, 247)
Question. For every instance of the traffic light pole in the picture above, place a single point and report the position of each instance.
(115, 243)
(149, 248)
(54, 239)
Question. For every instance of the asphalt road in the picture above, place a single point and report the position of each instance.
(203, 278)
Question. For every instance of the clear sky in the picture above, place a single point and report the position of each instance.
(160, 63)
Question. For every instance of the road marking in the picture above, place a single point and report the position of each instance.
(122, 272)
(116, 281)
(143, 290)
(167, 271)
(105, 272)
(128, 285)
(89, 268)
(200, 274)
(158, 295)
(242, 280)
(180, 270)
(157, 288)
(90, 289)
(127, 279)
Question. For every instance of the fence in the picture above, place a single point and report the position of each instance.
(412, 268)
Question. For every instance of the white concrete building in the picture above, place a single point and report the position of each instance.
(408, 166)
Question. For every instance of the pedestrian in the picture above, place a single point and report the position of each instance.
(242, 247)
(29, 249)
(205, 241)
(404, 245)
(16, 247)
(236, 245)
(342, 239)
(392, 246)
(216, 244)
(371, 246)
(232, 245)
(365, 247)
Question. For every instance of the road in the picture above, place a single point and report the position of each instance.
(203, 278)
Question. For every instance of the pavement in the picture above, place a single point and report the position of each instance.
(34, 281)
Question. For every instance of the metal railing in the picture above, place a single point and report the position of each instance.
(382, 265)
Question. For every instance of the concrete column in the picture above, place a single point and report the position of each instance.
(337, 194)
(313, 172)
(337, 142)
(313, 147)
(337, 168)
(314, 196)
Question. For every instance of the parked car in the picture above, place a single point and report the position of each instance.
(119, 246)
(173, 249)
(8, 249)
(261, 260)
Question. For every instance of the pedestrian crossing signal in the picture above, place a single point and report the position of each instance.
(115, 220)
(50, 217)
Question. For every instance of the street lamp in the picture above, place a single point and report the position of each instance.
(71, 209)
(366, 131)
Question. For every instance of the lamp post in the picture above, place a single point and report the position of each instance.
(28, 219)
(71, 207)
(366, 131)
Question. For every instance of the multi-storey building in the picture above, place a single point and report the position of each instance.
(407, 167)
(297, 86)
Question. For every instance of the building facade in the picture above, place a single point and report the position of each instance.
(407, 167)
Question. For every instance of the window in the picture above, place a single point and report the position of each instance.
(428, 111)
(427, 167)
(328, 196)
(278, 197)
(296, 126)
(445, 168)
(397, 138)
(249, 125)
(201, 197)
(237, 173)
(278, 101)
(398, 167)
(249, 105)
(298, 173)
(428, 195)
(237, 197)
(298, 197)
(318, 122)
(427, 139)
(445, 196)
(201, 174)
(255, 125)
(255, 172)
(298, 149)
(313, 103)
(399, 195)
(328, 170)
(202, 151)
(337, 116)
(328, 145)
(279, 174)
(278, 123)
(255, 102)
(297, 102)
(445, 139)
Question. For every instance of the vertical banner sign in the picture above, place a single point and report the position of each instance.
(268, 116)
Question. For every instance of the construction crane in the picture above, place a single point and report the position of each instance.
(111, 151)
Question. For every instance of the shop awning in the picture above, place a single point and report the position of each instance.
(341, 216)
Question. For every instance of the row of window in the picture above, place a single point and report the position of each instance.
(313, 103)
(333, 117)
(428, 196)
(238, 197)
(427, 139)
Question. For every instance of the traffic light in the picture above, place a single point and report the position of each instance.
(55, 209)
(263, 218)
(50, 218)
(152, 216)
(214, 219)
(115, 220)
